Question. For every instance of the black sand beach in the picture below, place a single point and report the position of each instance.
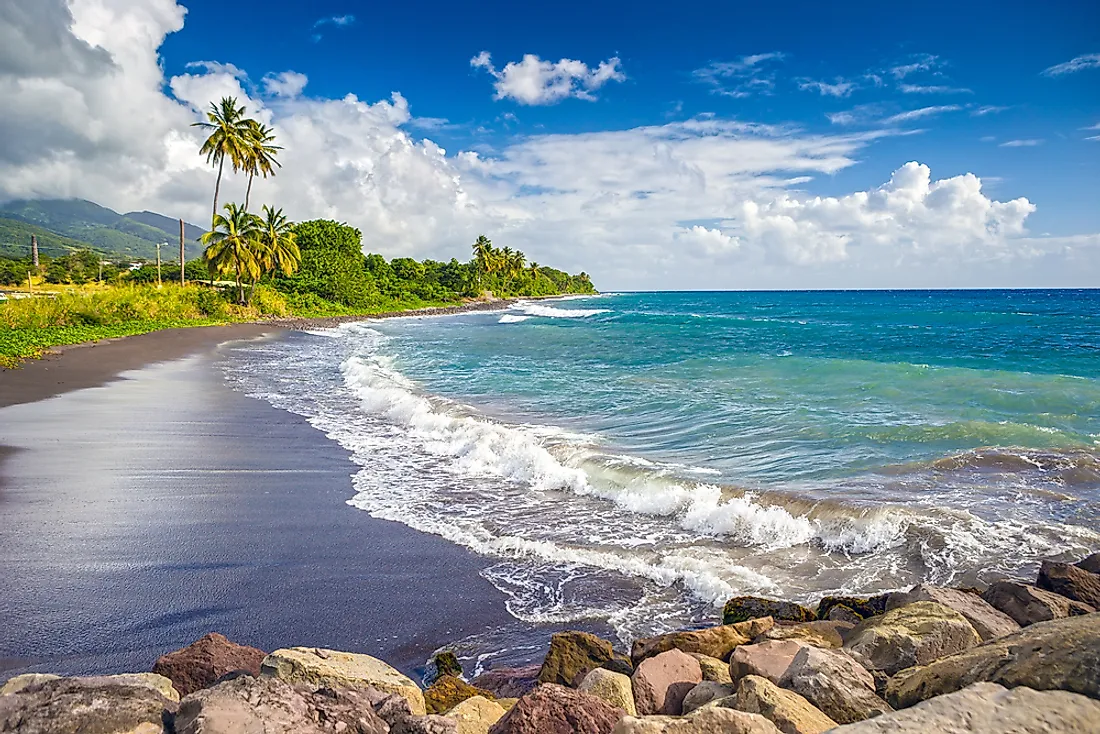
(148, 511)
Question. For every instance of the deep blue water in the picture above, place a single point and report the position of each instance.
(641, 457)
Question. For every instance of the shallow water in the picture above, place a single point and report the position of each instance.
(639, 458)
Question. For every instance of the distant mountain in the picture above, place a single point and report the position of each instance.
(133, 235)
(15, 240)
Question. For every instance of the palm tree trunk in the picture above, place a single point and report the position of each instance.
(217, 189)
(248, 193)
(240, 288)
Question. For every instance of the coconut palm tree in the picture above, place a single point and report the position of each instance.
(277, 245)
(231, 246)
(230, 137)
(260, 155)
(484, 257)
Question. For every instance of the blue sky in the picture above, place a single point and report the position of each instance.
(698, 145)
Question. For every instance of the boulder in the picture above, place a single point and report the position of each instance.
(713, 668)
(1029, 604)
(862, 606)
(744, 608)
(572, 655)
(843, 613)
(509, 682)
(99, 705)
(915, 634)
(554, 709)
(790, 712)
(269, 705)
(336, 669)
(822, 633)
(1090, 563)
(206, 660)
(447, 692)
(987, 708)
(19, 682)
(707, 720)
(1072, 582)
(1059, 654)
(476, 715)
(443, 663)
(615, 688)
(835, 683)
(769, 659)
(986, 621)
(706, 692)
(662, 681)
(716, 642)
(395, 710)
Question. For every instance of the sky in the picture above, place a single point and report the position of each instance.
(652, 145)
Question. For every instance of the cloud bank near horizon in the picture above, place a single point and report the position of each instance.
(706, 202)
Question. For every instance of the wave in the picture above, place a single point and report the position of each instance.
(511, 318)
(550, 312)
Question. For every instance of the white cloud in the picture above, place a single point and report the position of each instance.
(932, 89)
(838, 88)
(336, 20)
(915, 64)
(1093, 137)
(744, 77)
(920, 113)
(533, 81)
(987, 110)
(703, 202)
(285, 83)
(1080, 63)
(1092, 127)
(1021, 143)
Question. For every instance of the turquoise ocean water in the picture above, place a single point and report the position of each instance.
(638, 458)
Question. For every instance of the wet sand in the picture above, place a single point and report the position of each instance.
(142, 510)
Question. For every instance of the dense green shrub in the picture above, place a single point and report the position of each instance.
(333, 267)
(14, 272)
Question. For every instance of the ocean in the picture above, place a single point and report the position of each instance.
(635, 459)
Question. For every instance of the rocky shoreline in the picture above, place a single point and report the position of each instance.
(1014, 657)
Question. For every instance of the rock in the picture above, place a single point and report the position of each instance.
(706, 692)
(707, 720)
(822, 633)
(337, 669)
(448, 691)
(95, 705)
(554, 709)
(662, 681)
(790, 712)
(1029, 604)
(1090, 563)
(1059, 654)
(1072, 582)
(19, 682)
(445, 663)
(395, 710)
(843, 613)
(203, 662)
(987, 708)
(508, 682)
(986, 621)
(476, 714)
(717, 642)
(614, 688)
(915, 634)
(619, 664)
(572, 655)
(769, 659)
(744, 608)
(862, 606)
(839, 686)
(271, 706)
(713, 668)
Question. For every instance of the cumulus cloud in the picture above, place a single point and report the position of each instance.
(1079, 63)
(703, 202)
(533, 81)
(744, 77)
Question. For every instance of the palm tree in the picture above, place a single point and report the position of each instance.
(278, 248)
(519, 261)
(231, 246)
(230, 136)
(484, 257)
(260, 155)
(504, 261)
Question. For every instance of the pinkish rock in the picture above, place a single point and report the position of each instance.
(206, 660)
(554, 709)
(662, 681)
(508, 682)
(769, 659)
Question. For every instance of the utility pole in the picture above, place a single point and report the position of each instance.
(34, 251)
(159, 245)
(183, 277)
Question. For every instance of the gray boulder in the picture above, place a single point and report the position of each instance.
(96, 705)
(1029, 604)
(706, 692)
(1071, 582)
(986, 621)
(987, 708)
(915, 634)
(1090, 563)
(835, 683)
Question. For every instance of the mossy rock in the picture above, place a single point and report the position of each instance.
(446, 663)
(449, 691)
(573, 655)
(744, 608)
(863, 606)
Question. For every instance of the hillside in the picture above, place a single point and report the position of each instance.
(15, 240)
(103, 229)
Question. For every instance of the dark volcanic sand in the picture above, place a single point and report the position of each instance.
(139, 515)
